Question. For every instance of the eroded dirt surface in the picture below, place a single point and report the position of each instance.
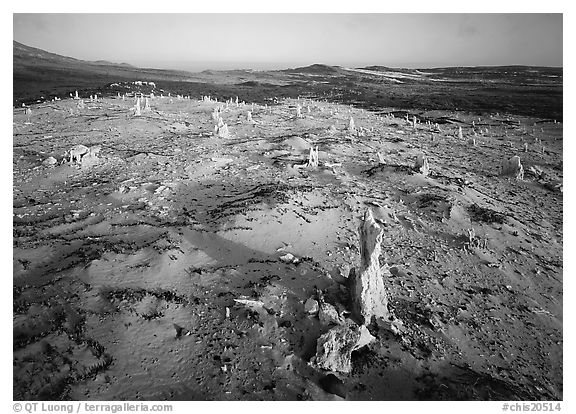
(126, 271)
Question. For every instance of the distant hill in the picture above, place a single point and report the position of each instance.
(37, 72)
(316, 69)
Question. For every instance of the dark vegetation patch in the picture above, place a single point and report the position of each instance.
(486, 215)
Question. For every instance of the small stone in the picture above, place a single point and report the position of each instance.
(50, 161)
(334, 348)
(328, 315)
(311, 306)
(289, 258)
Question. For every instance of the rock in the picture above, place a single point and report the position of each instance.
(289, 258)
(328, 315)
(311, 306)
(334, 348)
(179, 330)
(368, 294)
(50, 161)
(251, 303)
(340, 274)
(513, 168)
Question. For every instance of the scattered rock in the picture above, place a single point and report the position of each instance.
(50, 161)
(311, 306)
(289, 258)
(328, 314)
(179, 330)
(334, 348)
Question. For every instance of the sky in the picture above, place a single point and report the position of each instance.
(281, 40)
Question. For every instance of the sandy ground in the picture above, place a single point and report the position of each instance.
(126, 270)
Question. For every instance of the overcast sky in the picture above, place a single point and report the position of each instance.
(262, 41)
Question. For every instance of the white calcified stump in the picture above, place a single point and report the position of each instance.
(147, 105)
(351, 126)
(472, 141)
(421, 164)
(137, 108)
(151, 95)
(27, 111)
(298, 111)
(308, 109)
(368, 294)
(91, 98)
(118, 95)
(216, 114)
(313, 158)
(76, 95)
(513, 168)
(525, 147)
(414, 122)
(223, 131)
(381, 159)
(236, 102)
(460, 135)
(249, 117)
